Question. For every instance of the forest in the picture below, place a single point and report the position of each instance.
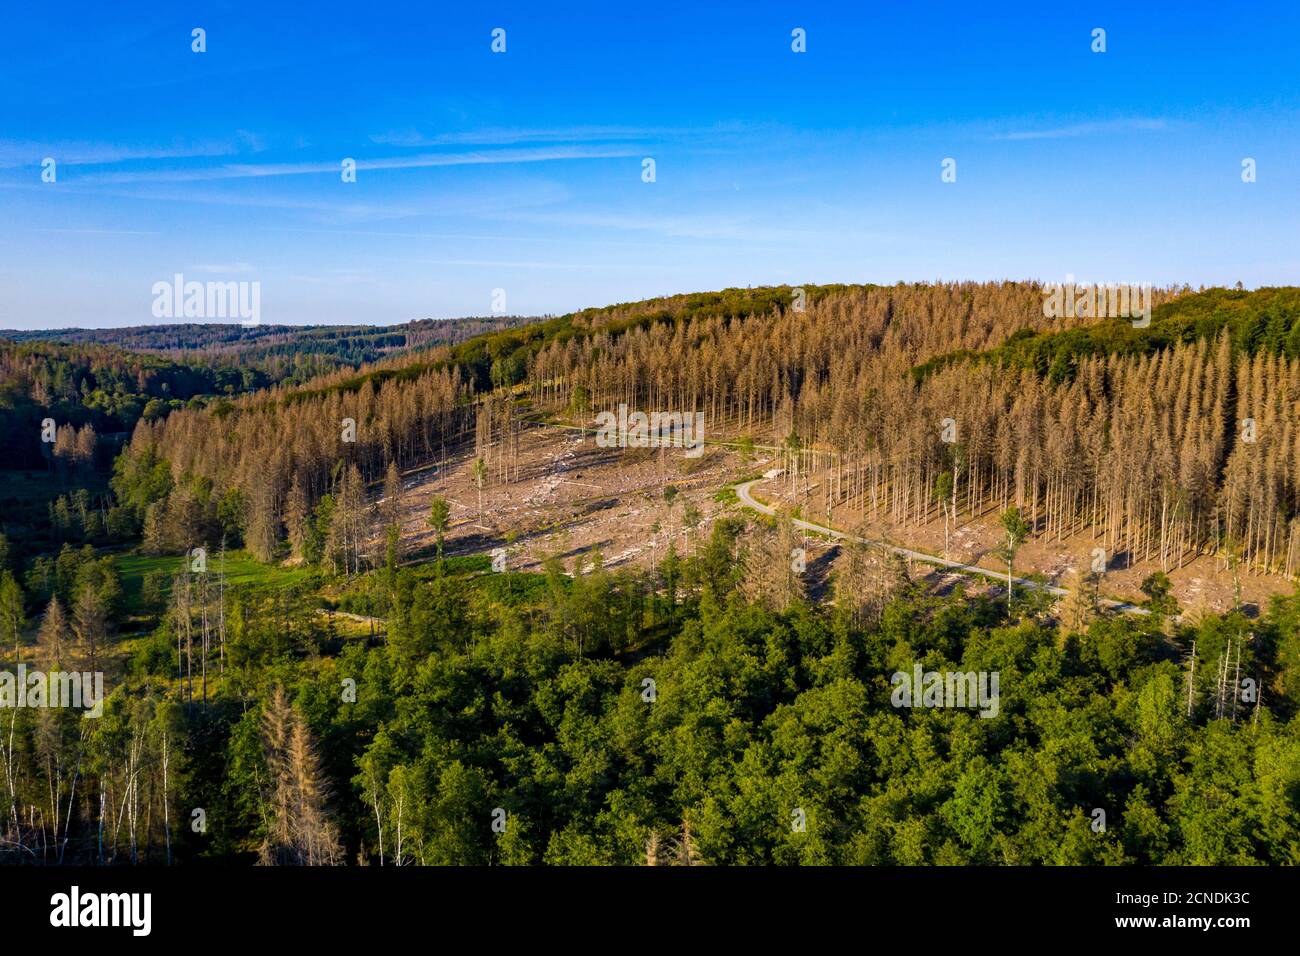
(292, 681)
(334, 345)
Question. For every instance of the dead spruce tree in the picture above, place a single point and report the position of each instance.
(773, 565)
(866, 576)
(299, 829)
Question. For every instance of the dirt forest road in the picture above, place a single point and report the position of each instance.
(749, 501)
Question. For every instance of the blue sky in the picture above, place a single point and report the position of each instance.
(522, 171)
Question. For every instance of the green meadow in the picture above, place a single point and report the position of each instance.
(241, 570)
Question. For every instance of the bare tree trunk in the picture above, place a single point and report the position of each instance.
(205, 639)
(167, 822)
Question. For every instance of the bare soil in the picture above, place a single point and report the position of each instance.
(572, 498)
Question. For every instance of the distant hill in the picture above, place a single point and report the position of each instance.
(343, 344)
(108, 379)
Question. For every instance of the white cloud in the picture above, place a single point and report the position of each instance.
(1098, 128)
(28, 153)
(422, 161)
(497, 136)
(102, 232)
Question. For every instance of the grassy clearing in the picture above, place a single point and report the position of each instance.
(461, 564)
(241, 570)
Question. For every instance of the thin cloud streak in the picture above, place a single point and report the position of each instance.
(502, 136)
(15, 153)
(1085, 129)
(423, 161)
(507, 137)
(102, 232)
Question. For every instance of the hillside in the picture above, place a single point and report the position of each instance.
(1139, 443)
(417, 591)
(280, 352)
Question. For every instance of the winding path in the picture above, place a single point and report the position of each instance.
(749, 501)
